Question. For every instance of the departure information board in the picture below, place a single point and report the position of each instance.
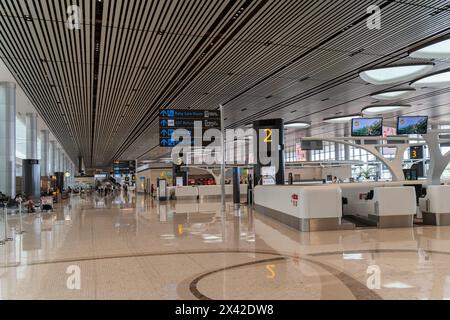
(171, 120)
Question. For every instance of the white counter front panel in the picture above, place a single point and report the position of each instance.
(312, 202)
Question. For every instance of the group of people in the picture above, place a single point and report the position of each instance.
(110, 189)
(18, 200)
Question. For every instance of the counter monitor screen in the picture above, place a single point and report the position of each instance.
(367, 127)
(412, 125)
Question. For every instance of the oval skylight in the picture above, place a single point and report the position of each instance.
(395, 74)
(382, 109)
(342, 119)
(439, 79)
(297, 125)
(392, 94)
(436, 50)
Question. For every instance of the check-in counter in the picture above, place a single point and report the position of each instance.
(390, 205)
(354, 195)
(214, 191)
(394, 207)
(313, 208)
(435, 206)
(186, 192)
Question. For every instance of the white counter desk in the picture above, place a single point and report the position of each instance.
(305, 208)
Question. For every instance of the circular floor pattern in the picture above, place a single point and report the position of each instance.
(358, 289)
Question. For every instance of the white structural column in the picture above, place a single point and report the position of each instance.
(347, 155)
(337, 152)
(438, 161)
(61, 160)
(8, 138)
(52, 157)
(31, 136)
(66, 181)
(57, 160)
(45, 153)
(71, 173)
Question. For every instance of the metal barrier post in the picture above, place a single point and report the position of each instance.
(6, 239)
(20, 219)
(3, 241)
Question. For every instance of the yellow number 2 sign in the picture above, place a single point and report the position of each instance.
(268, 138)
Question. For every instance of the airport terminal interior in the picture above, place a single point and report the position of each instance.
(225, 150)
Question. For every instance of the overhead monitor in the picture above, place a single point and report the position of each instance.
(412, 125)
(311, 145)
(367, 127)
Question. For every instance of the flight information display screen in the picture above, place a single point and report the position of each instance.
(412, 125)
(367, 127)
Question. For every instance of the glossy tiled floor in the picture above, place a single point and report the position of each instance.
(135, 248)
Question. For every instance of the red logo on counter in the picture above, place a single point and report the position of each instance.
(294, 200)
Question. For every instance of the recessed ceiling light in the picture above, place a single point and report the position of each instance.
(298, 125)
(439, 49)
(392, 94)
(342, 119)
(396, 73)
(381, 109)
(435, 80)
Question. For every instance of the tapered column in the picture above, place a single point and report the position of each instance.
(53, 157)
(337, 152)
(58, 157)
(31, 142)
(45, 153)
(348, 133)
(61, 160)
(31, 170)
(236, 186)
(65, 170)
(346, 152)
(8, 138)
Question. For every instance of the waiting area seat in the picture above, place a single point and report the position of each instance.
(435, 206)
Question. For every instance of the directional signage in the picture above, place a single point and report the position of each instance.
(171, 120)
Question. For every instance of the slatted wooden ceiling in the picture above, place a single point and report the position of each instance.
(99, 88)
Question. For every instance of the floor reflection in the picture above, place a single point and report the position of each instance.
(131, 246)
